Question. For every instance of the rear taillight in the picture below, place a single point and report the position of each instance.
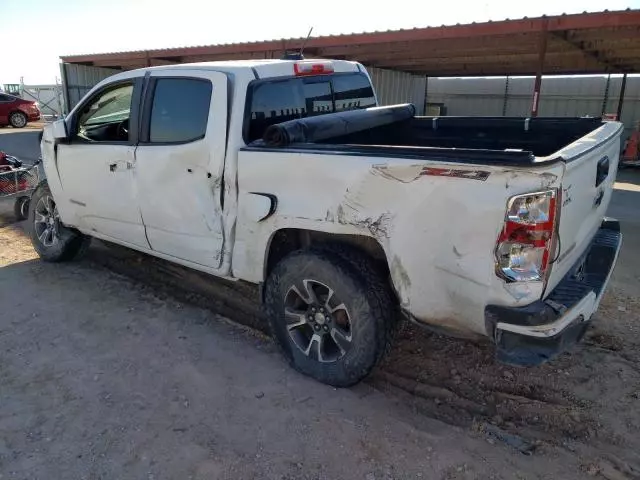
(527, 238)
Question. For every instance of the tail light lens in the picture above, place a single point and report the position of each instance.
(314, 67)
(527, 238)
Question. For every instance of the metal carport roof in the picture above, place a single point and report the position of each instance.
(604, 42)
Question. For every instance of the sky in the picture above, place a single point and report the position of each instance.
(37, 32)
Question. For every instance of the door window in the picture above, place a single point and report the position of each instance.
(180, 110)
(106, 118)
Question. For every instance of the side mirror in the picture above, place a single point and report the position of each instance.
(60, 130)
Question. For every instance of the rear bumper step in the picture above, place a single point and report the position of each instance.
(535, 333)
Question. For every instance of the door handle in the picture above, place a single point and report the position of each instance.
(602, 170)
(114, 166)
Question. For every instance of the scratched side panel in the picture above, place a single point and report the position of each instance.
(309, 191)
(437, 223)
(443, 241)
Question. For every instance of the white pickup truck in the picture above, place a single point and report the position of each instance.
(286, 174)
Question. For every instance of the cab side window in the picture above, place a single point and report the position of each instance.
(180, 110)
(106, 117)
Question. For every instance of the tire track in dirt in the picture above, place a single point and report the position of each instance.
(454, 381)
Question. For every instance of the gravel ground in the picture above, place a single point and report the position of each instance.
(121, 366)
(105, 377)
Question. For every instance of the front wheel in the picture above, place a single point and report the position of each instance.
(53, 241)
(330, 321)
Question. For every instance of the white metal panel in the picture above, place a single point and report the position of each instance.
(560, 97)
(389, 200)
(179, 185)
(520, 97)
(394, 87)
(468, 96)
(572, 96)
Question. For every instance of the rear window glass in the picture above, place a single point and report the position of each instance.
(353, 91)
(180, 110)
(278, 101)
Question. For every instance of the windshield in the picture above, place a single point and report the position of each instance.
(278, 100)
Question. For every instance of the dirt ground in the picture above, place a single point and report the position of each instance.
(122, 366)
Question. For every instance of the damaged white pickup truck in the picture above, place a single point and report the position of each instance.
(286, 174)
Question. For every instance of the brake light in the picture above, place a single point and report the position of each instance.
(312, 68)
(527, 238)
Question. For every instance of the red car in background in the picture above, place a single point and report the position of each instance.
(17, 112)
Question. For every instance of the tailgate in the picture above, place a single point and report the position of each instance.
(591, 164)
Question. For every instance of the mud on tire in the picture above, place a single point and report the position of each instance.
(53, 241)
(316, 293)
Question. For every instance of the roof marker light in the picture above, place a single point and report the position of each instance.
(312, 67)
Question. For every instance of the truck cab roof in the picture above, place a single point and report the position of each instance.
(267, 68)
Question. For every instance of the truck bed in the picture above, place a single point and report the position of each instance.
(540, 137)
(394, 131)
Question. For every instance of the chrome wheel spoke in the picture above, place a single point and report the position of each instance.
(51, 237)
(43, 236)
(311, 294)
(342, 340)
(49, 205)
(327, 301)
(40, 218)
(315, 347)
(302, 293)
(338, 308)
(295, 319)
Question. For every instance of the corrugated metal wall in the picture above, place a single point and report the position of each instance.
(560, 96)
(398, 87)
(77, 80)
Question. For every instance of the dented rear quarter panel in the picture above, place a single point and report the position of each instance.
(438, 232)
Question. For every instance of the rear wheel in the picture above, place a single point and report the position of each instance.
(50, 238)
(331, 323)
(18, 120)
(21, 208)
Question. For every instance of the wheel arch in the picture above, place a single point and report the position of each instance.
(287, 240)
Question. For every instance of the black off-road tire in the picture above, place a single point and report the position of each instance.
(366, 297)
(375, 275)
(21, 208)
(18, 120)
(70, 243)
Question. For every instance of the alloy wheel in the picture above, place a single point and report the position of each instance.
(317, 321)
(47, 221)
